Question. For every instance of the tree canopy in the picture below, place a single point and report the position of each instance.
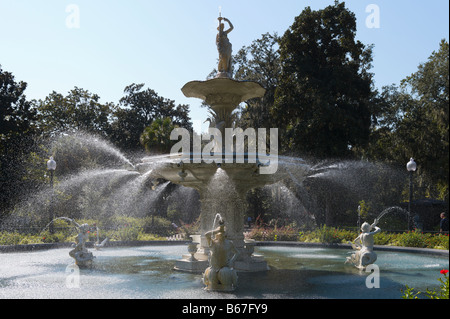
(413, 122)
(138, 109)
(324, 90)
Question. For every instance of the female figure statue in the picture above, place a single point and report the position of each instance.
(224, 48)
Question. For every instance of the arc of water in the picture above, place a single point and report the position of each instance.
(62, 218)
(396, 208)
(390, 209)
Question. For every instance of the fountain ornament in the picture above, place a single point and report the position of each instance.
(83, 257)
(363, 244)
(220, 275)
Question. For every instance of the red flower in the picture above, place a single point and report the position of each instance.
(444, 271)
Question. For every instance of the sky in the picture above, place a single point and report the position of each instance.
(104, 45)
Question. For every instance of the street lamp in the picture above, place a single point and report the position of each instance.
(51, 166)
(411, 166)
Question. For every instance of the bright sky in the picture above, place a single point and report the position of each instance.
(104, 45)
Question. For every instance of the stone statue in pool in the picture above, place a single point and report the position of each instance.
(220, 275)
(83, 257)
(363, 246)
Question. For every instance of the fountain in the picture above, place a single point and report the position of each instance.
(221, 182)
(219, 252)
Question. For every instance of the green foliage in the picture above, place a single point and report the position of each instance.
(322, 102)
(259, 62)
(128, 232)
(412, 120)
(412, 239)
(409, 293)
(385, 238)
(332, 235)
(118, 228)
(79, 110)
(420, 240)
(17, 137)
(10, 238)
(441, 293)
(364, 209)
(156, 137)
(139, 108)
(285, 233)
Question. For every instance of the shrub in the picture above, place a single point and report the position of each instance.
(384, 238)
(286, 233)
(412, 239)
(10, 238)
(128, 232)
(333, 235)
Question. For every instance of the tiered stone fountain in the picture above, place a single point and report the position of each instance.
(222, 185)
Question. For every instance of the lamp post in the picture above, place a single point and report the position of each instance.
(411, 166)
(51, 166)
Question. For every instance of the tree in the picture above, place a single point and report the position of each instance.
(322, 102)
(138, 109)
(17, 115)
(426, 122)
(17, 133)
(413, 122)
(259, 62)
(156, 137)
(80, 110)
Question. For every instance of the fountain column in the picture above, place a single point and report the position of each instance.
(222, 185)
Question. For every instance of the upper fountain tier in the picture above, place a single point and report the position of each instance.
(223, 93)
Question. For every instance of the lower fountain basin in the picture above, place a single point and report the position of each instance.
(147, 272)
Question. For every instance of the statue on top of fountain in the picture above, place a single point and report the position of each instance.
(225, 49)
(363, 244)
(220, 275)
(83, 257)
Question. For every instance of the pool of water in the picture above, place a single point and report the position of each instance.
(147, 272)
